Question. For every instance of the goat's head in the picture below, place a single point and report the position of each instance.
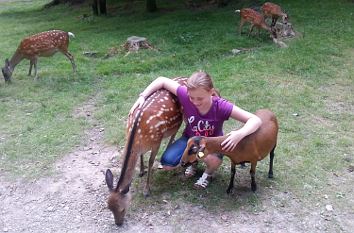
(194, 151)
(7, 71)
(118, 200)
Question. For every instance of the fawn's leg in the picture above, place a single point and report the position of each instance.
(35, 68)
(154, 151)
(71, 58)
(242, 22)
(30, 69)
(251, 29)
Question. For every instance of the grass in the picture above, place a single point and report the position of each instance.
(308, 85)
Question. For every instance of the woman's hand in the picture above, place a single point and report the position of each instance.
(234, 137)
(139, 103)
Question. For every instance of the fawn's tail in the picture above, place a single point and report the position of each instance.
(71, 34)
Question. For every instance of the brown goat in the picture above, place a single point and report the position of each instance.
(44, 44)
(256, 20)
(160, 117)
(274, 11)
(251, 149)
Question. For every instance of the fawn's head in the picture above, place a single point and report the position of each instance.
(7, 71)
(118, 200)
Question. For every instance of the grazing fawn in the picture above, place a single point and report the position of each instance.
(44, 44)
(160, 117)
(256, 20)
(274, 11)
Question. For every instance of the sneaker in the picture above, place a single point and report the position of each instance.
(190, 171)
(203, 181)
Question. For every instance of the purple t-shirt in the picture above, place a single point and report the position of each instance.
(208, 125)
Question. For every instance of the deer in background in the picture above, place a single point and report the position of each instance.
(256, 20)
(44, 44)
(160, 117)
(274, 11)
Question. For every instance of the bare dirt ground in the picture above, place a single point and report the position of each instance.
(74, 200)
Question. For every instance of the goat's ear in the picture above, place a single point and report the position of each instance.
(109, 180)
(193, 149)
(201, 152)
(201, 149)
(202, 144)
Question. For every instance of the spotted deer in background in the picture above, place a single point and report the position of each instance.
(44, 44)
(256, 20)
(160, 117)
(274, 11)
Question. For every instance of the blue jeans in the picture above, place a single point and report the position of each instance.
(173, 154)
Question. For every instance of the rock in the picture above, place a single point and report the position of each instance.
(235, 51)
(329, 207)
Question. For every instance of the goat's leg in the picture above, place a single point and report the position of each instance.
(30, 69)
(153, 154)
(271, 156)
(142, 168)
(253, 176)
(71, 58)
(232, 178)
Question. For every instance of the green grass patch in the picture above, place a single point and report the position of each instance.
(308, 85)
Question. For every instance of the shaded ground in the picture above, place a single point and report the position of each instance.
(74, 200)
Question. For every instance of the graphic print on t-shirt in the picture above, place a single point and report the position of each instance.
(201, 128)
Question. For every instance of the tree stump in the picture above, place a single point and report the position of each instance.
(134, 43)
(284, 30)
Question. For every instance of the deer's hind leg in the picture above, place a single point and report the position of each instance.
(153, 154)
(34, 63)
(30, 68)
(242, 22)
(71, 58)
(142, 167)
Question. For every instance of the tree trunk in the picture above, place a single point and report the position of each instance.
(95, 7)
(151, 5)
(57, 2)
(99, 7)
(103, 7)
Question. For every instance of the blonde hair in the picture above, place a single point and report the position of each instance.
(200, 79)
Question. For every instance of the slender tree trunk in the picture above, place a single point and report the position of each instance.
(99, 7)
(151, 5)
(95, 7)
(103, 7)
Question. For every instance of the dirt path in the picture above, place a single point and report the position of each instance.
(74, 200)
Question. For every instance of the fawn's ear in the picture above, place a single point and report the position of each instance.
(7, 63)
(109, 179)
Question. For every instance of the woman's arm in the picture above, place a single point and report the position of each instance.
(252, 123)
(160, 82)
